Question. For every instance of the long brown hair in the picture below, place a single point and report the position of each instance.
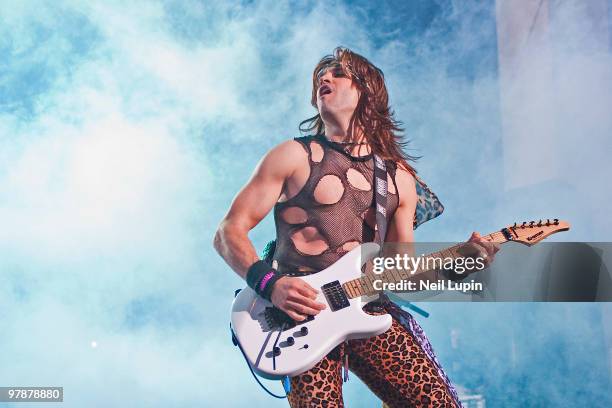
(373, 114)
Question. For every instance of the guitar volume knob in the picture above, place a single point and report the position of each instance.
(304, 330)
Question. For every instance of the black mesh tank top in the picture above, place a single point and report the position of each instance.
(342, 224)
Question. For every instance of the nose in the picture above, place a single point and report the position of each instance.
(325, 78)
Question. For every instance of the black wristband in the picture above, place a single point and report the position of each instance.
(256, 272)
(266, 293)
(259, 271)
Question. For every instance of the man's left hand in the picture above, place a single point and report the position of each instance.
(483, 248)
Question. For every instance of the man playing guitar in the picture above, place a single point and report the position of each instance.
(321, 190)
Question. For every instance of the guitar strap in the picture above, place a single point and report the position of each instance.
(380, 198)
(380, 201)
(380, 180)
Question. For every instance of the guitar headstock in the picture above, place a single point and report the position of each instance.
(532, 232)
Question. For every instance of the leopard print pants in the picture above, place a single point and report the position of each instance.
(398, 366)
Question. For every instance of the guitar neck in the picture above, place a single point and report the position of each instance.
(364, 286)
(452, 252)
(527, 233)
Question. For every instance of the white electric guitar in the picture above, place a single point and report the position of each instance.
(276, 346)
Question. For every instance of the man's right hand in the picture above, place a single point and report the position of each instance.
(296, 298)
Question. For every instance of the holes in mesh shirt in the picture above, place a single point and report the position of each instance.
(347, 246)
(357, 180)
(329, 189)
(294, 215)
(309, 241)
(316, 152)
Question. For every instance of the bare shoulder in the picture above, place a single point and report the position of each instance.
(287, 150)
(406, 185)
(284, 158)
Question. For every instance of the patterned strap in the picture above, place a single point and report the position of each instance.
(380, 198)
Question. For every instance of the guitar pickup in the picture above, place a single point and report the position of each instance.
(335, 295)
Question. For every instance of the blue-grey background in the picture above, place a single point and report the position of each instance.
(127, 127)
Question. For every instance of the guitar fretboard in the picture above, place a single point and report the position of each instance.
(364, 286)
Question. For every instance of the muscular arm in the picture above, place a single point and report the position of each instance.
(252, 204)
(400, 226)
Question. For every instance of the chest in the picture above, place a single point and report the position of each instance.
(326, 180)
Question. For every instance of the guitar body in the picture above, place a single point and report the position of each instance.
(257, 324)
(276, 346)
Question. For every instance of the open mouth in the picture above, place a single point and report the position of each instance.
(324, 90)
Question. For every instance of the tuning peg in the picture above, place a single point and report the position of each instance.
(540, 223)
(514, 226)
(523, 224)
(556, 221)
(547, 222)
(531, 224)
